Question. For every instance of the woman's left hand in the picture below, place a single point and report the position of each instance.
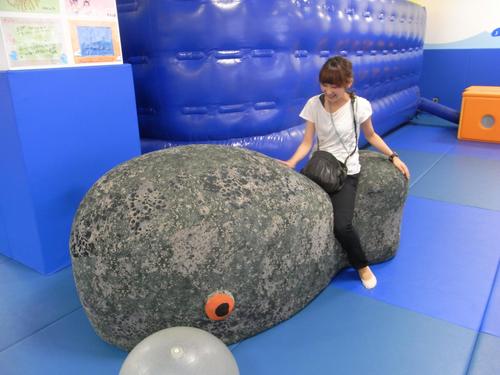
(402, 167)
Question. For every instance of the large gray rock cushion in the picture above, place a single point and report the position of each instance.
(157, 235)
(382, 191)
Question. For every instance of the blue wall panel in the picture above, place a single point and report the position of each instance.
(447, 72)
(15, 199)
(61, 129)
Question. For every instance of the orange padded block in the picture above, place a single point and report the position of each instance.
(480, 116)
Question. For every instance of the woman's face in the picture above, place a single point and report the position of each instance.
(333, 93)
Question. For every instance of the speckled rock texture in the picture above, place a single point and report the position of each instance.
(382, 192)
(157, 235)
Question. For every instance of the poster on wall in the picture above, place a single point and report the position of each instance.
(33, 42)
(95, 41)
(96, 8)
(30, 6)
(58, 33)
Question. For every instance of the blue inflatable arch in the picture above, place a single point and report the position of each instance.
(239, 71)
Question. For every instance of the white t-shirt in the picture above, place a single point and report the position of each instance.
(342, 119)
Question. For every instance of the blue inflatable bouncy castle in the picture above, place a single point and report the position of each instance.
(238, 72)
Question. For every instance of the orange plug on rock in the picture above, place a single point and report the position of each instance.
(219, 305)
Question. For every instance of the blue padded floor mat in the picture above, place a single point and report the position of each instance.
(463, 162)
(432, 139)
(479, 150)
(462, 180)
(439, 139)
(419, 163)
(486, 357)
(31, 301)
(444, 267)
(68, 346)
(343, 333)
(324, 336)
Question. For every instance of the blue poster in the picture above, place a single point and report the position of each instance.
(95, 41)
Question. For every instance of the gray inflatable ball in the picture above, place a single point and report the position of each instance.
(180, 351)
(219, 238)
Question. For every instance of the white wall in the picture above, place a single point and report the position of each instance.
(462, 24)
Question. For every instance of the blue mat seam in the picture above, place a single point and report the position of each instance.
(454, 203)
(490, 296)
(39, 329)
(428, 169)
(235, 345)
(476, 339)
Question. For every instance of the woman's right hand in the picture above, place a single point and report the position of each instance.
(288, 163)
(304, 147)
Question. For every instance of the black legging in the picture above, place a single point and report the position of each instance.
(343, 212)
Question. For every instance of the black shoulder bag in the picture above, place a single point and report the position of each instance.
(323, 168)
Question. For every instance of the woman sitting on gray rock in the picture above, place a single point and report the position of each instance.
(331, 116)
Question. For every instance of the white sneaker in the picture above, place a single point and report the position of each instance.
(370, 283)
